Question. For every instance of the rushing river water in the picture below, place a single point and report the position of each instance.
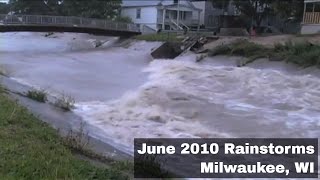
(124, 94)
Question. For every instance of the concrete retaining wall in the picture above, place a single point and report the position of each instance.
(168, 50)
(310, 29)
(38, 28)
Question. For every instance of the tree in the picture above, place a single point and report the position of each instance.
(84, 8)
(4, 8)
(92, 8)
(25, 7)
(43, 7)
(55, 6)
(289, 8)
(256, 10)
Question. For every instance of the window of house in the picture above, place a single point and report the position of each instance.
(175, 1)
(174, 15)
(317, 7)
(309, 7)
(138, 15)
(167, 14)
(183, 15)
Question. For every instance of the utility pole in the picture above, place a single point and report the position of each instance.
(178, 14)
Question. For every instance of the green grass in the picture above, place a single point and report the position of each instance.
(37, 95)
(30, 149)
(151, 166)
(303, 54)
(171, 37)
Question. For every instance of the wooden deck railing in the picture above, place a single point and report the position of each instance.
(311, 18)
(66, 21)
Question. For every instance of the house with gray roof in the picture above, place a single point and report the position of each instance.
(152, 15)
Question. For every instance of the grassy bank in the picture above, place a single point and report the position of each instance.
(171, 37)
(302, 54)
(30, 149)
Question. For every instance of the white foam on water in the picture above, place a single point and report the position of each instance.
(185, 99)
(35, 42)
(23, 82)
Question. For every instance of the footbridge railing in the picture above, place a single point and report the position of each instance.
(66, 21)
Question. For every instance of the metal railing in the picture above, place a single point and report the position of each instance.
(187, 22)
(66, 21)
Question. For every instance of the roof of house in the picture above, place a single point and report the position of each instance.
(311, 1)
(182, 7)
(146, 3)
(136, 3)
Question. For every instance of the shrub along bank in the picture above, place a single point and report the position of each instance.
(303, 54)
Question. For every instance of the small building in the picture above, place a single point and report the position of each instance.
(152, 15)
(311, 17)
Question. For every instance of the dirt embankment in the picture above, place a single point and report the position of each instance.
(265, 40)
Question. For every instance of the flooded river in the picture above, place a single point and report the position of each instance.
(126, 95)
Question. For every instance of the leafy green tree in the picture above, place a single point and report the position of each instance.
(256, 10)
(28, 7)
(4, 8)
(84, 8)
(92, 8)
(289, 8)
(55, 6)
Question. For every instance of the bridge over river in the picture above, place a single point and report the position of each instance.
(44, 23)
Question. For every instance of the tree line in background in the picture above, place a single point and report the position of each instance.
(107, 9)
(257, 10)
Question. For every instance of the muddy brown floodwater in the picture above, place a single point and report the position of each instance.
(125, 95)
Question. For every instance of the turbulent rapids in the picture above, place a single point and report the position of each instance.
(124, 95)
(184, 99)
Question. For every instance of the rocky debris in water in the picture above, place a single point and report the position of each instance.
(48, 34)
(179, 98)
(191, 114)
(156, 118)
(201, 57)
(241, 62)
(96, 43)
(198, 47)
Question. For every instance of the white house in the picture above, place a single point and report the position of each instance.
(153, 15)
